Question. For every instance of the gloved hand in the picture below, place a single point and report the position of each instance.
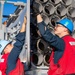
(36, 8)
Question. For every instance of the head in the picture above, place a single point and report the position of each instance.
(64, 27)
(5, 47)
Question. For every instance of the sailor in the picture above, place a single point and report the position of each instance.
(9, 54)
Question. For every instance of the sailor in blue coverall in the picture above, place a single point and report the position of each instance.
(62, 58)
(9, 62)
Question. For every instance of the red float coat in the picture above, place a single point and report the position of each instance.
(66, 64)
(18, 70)
(3, 64)
(10, 63)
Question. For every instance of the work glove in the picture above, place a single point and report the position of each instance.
(37, 8)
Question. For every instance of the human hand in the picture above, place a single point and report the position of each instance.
(23, 29)
(37, 8)
(25, 20)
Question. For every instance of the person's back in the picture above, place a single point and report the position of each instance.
(67, 61)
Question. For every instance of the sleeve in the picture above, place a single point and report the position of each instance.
(53, 40)
(14, 54)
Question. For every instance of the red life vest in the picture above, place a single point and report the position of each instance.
(66, 64)
(19, 69)
(3, 64)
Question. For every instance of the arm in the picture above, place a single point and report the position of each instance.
(53, 40)
(14, 54)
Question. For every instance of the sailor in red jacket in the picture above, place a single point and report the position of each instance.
(9, 54)
(62, 59)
